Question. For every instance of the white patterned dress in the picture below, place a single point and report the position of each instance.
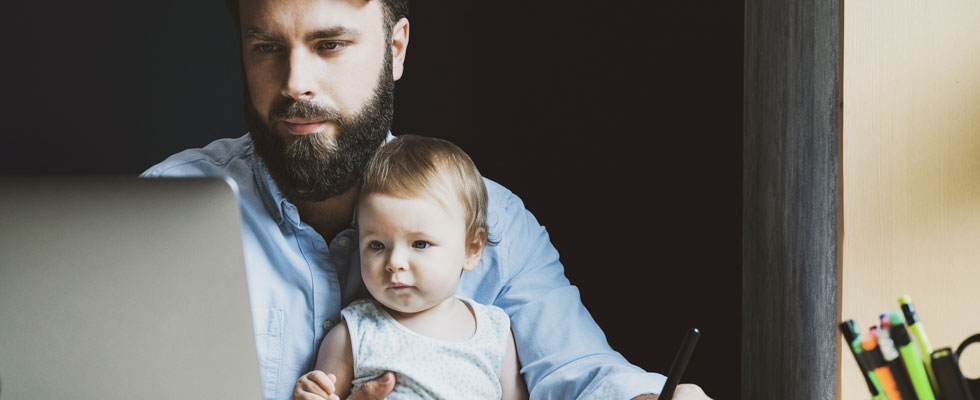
(428, 368)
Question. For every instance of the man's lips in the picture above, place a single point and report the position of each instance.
(301, 126)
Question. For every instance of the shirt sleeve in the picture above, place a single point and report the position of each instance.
(563, 351)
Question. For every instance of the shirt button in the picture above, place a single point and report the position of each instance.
(343, 240)
(318, 244)
(327, 325)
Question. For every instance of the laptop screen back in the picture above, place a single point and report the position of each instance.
(119, 288)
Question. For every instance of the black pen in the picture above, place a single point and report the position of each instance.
(680, 362)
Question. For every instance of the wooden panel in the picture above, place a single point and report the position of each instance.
(789, 230)
(911, 167)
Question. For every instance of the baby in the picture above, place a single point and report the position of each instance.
(422, 220)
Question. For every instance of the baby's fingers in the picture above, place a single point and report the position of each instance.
(324, 381)
(304, 391)
(314, 386)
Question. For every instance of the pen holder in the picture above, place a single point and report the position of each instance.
(973, 385)
(952, 383)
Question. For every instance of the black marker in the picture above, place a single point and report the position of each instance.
(951, 381)
(680, 362)
(853, 339)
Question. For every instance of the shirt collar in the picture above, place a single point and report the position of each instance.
(274, 201)
(272, 198)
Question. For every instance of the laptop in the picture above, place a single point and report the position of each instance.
(121, 288)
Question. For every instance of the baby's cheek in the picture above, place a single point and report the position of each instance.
(369, 275)
(445, 286)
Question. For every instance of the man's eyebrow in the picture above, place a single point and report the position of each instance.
(265, 35)
(332, 32)
(261, 34)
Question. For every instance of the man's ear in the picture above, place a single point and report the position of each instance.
(474, 250)
(399, 46)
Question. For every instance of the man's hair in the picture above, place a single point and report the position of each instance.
(393, 10)
(413, 166)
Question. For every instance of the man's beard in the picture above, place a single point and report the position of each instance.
(316, 167)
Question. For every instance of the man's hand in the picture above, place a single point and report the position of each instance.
(376, 389)
(684, 391)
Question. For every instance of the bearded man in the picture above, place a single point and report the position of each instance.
(319, 84)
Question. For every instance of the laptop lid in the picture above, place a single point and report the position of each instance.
(120, 288)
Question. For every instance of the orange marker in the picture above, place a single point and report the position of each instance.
(876, 362)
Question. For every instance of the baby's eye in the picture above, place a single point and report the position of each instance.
(420, 244)
(376, 245)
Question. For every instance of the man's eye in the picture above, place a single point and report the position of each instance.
(376, 245)
(420, 244)
(266, 48)
(329, 45)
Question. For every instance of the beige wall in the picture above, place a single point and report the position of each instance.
(911, 168)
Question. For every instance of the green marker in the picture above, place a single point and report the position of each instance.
(858, 352)
(920, 336)
(910, 357)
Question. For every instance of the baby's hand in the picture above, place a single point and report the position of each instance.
(316, 385)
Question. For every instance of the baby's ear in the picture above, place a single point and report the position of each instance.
(474, 250)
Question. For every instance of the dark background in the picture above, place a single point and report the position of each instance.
(618, 123)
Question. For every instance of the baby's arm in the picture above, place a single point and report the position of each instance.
(337, 358)
(510, 374)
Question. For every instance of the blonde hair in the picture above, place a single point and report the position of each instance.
(412, 166)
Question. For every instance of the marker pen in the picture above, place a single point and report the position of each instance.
(890, 353)
(920, 336)
(680, 362)
(876, 362)
(853, 339)
(910, 357)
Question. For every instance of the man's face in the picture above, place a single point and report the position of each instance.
(319, 90)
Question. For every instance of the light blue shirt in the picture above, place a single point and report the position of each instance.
(298, 282)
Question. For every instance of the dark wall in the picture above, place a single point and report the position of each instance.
(619, 124)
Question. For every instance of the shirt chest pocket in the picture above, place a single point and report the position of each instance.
(267, 325)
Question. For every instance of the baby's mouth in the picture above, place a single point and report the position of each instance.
(398, 285)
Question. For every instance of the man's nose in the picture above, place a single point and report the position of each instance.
(300, 75)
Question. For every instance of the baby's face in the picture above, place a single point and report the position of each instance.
(412, 250)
